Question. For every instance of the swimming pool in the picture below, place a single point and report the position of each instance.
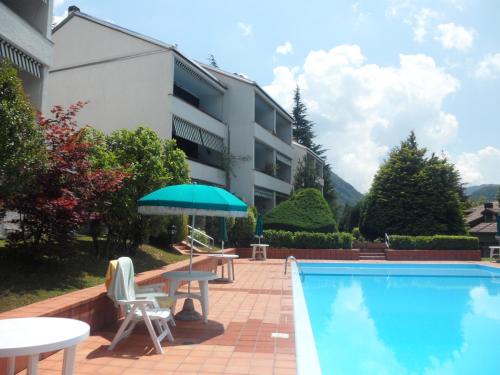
(397, 318)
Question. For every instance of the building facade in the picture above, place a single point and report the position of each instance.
(25, 40)
(232, 132)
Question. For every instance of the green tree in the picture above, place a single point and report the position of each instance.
(329, 192)
(212, 61)
(306, 210)
(413, 194)
(302, 126)
(21, 140)
(242, 229)
(306, 175)
(350, 217)
(152, 163)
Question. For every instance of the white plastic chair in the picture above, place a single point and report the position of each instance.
(138, 307)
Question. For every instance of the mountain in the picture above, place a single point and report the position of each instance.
(346, 193)
(488, 191)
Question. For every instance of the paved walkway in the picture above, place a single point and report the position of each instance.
(237, 340)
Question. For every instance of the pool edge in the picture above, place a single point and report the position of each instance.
(305, 346)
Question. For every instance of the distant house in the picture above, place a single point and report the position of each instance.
(482, 221)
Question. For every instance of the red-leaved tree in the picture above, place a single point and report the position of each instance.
(68, 191)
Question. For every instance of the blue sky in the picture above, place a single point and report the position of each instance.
(370, 71)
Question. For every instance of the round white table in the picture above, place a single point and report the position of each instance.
(230, 265)
(175, 279)
(32, 336)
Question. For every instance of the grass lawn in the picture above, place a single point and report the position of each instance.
(24, 281)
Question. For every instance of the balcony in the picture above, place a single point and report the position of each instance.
(271, 183)
(16, 30)
(264, 114)
(202, 172)
(199, 144)
(263, 136)
(194, 115)
(195, 91)
(283, 129)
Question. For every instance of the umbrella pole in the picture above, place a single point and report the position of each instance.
(188, 312)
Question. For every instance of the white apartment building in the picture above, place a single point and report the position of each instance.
(301, 154)
(25, 40)
(217, 118)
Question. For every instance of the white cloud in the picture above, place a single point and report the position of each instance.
(455, 36)
(57, 19)
(489, 67)
(246, 29)
(284, 49)
(58, 3)
(480, 167)
(362, 110)
(420, 23)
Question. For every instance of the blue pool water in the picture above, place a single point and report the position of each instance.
(404, 319)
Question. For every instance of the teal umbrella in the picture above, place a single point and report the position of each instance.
(192, 200)
(259, 227)
(222, 232)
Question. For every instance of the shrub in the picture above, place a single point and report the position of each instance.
(308, 240)
(437, 242)
(455, 243)
(279, 238)
(242, 231)
(305, 211)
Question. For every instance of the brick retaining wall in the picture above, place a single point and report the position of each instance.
(282, 253)
(92, 305)
(433, 255)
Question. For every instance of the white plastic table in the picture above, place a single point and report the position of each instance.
(493, 252)
(230, 264)
(177, 277)
(32, 336)
(259, 248)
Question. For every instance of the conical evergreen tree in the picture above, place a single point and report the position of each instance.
(302, 126)
(212, 61)
(414, 195)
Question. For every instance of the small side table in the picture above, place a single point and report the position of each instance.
(175, 279)
(32, 336)
(230, 265)
(494, 251)
(259, 249)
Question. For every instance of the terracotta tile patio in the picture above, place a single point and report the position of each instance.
(237, 340)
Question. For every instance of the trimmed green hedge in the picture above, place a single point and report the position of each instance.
(308, 240)
(437, 242)
(305, 211)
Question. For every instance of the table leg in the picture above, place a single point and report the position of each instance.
(172, 289)
(264, 252)
(69, 360)
(11, 366)
(230, 270)
(32, 368)
(204, 299)
(253, 252)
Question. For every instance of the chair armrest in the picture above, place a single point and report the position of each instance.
(144, 302)
(153, 287)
